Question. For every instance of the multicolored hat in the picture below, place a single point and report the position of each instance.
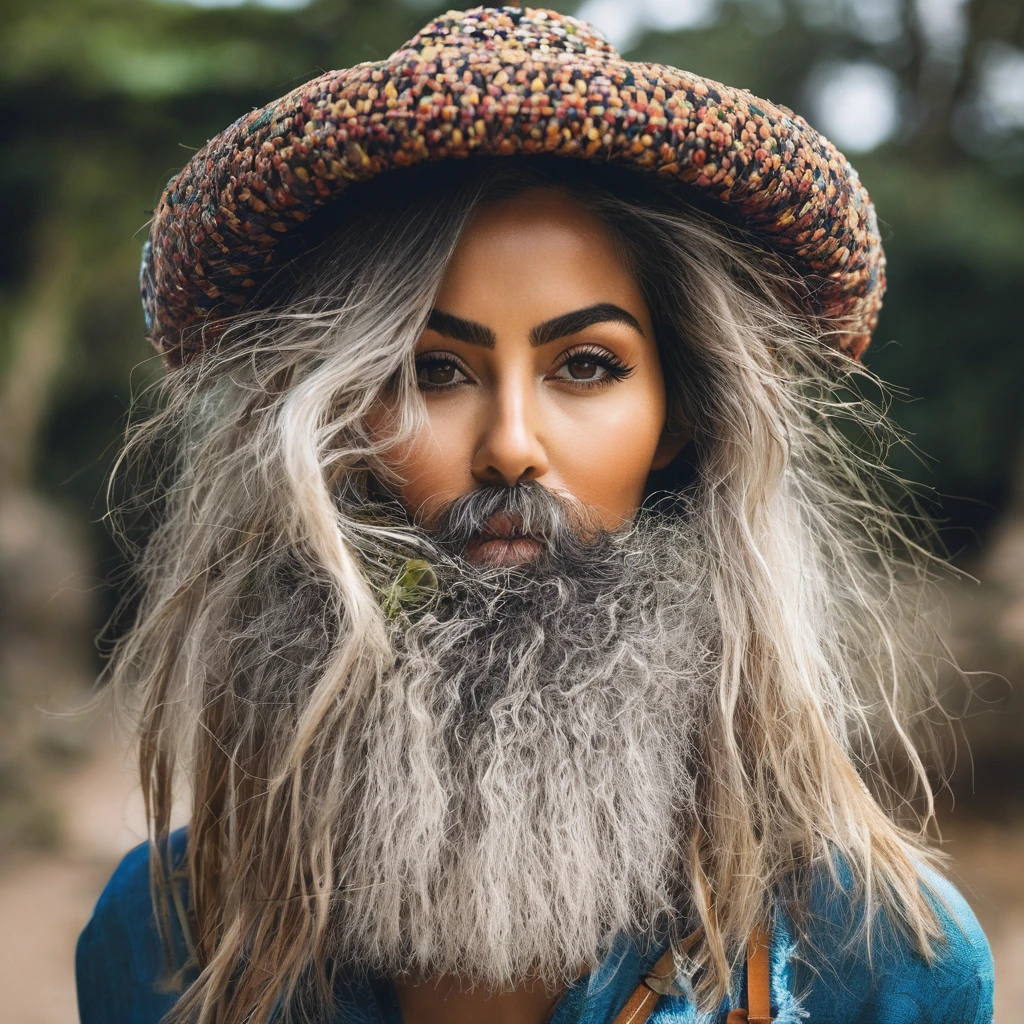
(496, 82)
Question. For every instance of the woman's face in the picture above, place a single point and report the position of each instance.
(538, 363)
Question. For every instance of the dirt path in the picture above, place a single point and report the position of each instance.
(46, 899)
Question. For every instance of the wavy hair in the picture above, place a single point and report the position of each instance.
(260, 634)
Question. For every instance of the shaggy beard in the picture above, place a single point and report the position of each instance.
(525, 778)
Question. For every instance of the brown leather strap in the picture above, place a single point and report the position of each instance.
(639, 1006)
(641, 1003)
(759, 981)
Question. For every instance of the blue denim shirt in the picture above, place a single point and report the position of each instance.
(828, 978)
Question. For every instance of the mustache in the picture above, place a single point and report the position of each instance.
(528, 510)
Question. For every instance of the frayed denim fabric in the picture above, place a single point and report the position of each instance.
(830, 978)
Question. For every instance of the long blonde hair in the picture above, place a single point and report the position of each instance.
(818, 585)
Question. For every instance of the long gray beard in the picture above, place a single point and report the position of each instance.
(525, 783)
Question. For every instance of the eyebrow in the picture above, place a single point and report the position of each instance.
(580, 319)
(469, 331)
(560, 326)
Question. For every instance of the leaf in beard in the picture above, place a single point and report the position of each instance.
(412, 590)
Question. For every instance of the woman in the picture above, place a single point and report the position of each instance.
(518, 614)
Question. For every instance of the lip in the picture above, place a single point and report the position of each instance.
(502, 541)
(503, 526)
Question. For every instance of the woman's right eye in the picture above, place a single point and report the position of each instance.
(436, 372)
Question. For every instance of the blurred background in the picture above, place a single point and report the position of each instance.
(104, 99)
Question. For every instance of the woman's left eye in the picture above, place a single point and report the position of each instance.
(591, 368)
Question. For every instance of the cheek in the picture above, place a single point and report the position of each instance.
(603, 448)
(434, 464)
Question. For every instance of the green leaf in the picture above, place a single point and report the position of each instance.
(414, 586)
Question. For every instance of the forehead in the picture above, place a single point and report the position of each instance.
(535, 255)
(539, 215)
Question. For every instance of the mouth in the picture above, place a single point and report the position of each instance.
(503, 542)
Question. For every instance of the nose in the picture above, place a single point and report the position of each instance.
(510, 449)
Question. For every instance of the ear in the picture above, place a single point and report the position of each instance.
(670, 444)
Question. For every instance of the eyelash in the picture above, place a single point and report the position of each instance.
(615, 368)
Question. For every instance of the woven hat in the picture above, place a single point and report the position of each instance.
(497, 82)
